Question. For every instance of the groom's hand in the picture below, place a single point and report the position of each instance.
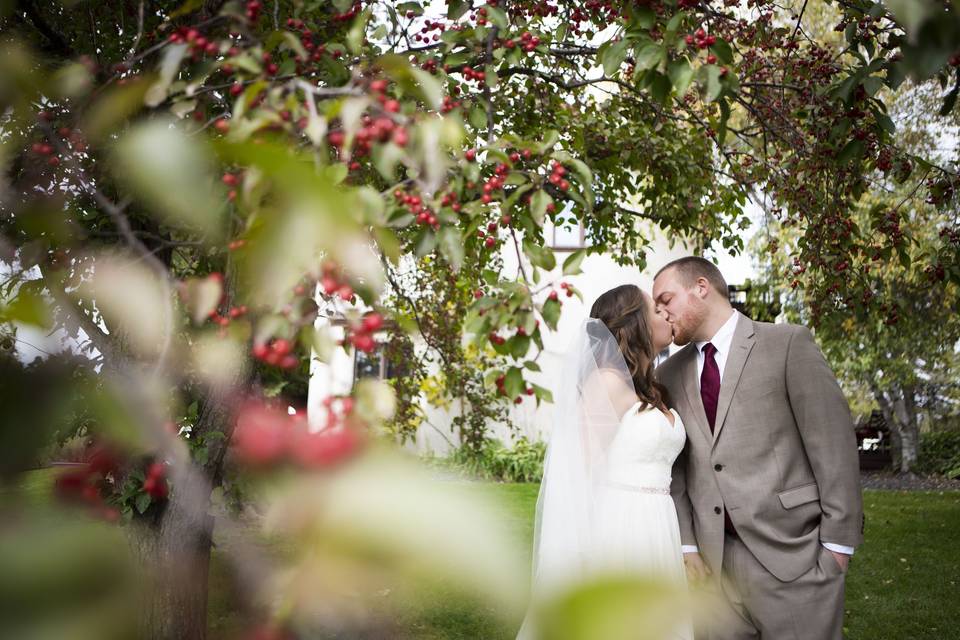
(842, 559)
(697, 569)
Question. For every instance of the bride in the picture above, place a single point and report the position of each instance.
(605, 504)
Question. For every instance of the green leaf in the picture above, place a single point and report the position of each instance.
(660, 87)
(571, 266)
(513, 382)
(904, 256)
(519, 345)
(681, 75)
(675, 21)
(478, 117)
(872, 85)
(498, 17)
(451, 246)
(649, 56)
(613, 56)
(551, 313)
(456, 8)
(912, 14)
(425, 243)
(142, 502)
(853, 149)
(539, 255)
(530, 365)
(644, 17)
(173, 173)
(355, 35)
(886, 123)
(721, 48)
(549, 140)
(27, 308)
(412, 79)
(538, 205)
(416, 7)
(951, 98)
(714, 86)
(724, 118)
(541, 393)
(173, 55)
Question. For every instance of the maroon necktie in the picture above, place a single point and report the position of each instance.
(709, 393)
(710, 384)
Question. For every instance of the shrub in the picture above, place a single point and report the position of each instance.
(940, 452)
(521, 463)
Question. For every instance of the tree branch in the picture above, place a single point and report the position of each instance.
(57, 42)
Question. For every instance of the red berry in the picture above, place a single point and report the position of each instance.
(372, 322)
(260, 437)
(281, 346)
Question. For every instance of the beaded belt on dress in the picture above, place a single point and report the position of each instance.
(629, 487)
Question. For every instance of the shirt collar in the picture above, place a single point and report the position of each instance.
(724, 336)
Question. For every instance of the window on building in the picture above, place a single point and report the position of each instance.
(376, 365)
(567, 234)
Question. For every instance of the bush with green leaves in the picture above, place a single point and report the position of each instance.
(940, 452)
(521, 463)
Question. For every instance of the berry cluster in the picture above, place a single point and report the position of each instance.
(501, 389)
(415, 205)
(276, 353)
(155, 483)
(361, 335)
(557, 171)
(333, 282)
(198, 44)
(85, 484)
(267, 436)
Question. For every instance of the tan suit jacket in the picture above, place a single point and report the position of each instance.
(783, 456)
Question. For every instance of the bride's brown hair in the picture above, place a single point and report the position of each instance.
(624, 312)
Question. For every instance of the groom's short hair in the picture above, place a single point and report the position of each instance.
(692, 267)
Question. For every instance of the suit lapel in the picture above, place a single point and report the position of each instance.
(691, 390)
(740, 347)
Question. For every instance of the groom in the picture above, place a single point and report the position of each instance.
(768, 486)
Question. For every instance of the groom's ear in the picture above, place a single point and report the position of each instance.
(702, 287)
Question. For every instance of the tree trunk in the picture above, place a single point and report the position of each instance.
(176, 560)
(176, 551)
(906, 414)
(899, 411)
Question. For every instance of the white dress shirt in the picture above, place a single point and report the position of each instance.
(721, 341)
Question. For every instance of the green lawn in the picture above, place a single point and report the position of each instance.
(904, 583)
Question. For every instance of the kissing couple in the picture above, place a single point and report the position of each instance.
(732, 466)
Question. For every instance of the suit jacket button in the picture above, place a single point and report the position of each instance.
(717, 510)
(718, 467)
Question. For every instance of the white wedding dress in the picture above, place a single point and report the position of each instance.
(604, 505)
(636, 521)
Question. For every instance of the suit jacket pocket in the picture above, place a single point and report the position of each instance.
(800, 495)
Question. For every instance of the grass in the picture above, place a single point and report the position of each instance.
(904, 583)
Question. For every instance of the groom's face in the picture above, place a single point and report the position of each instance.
(679, 305)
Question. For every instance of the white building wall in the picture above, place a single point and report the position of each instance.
(599, 274)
